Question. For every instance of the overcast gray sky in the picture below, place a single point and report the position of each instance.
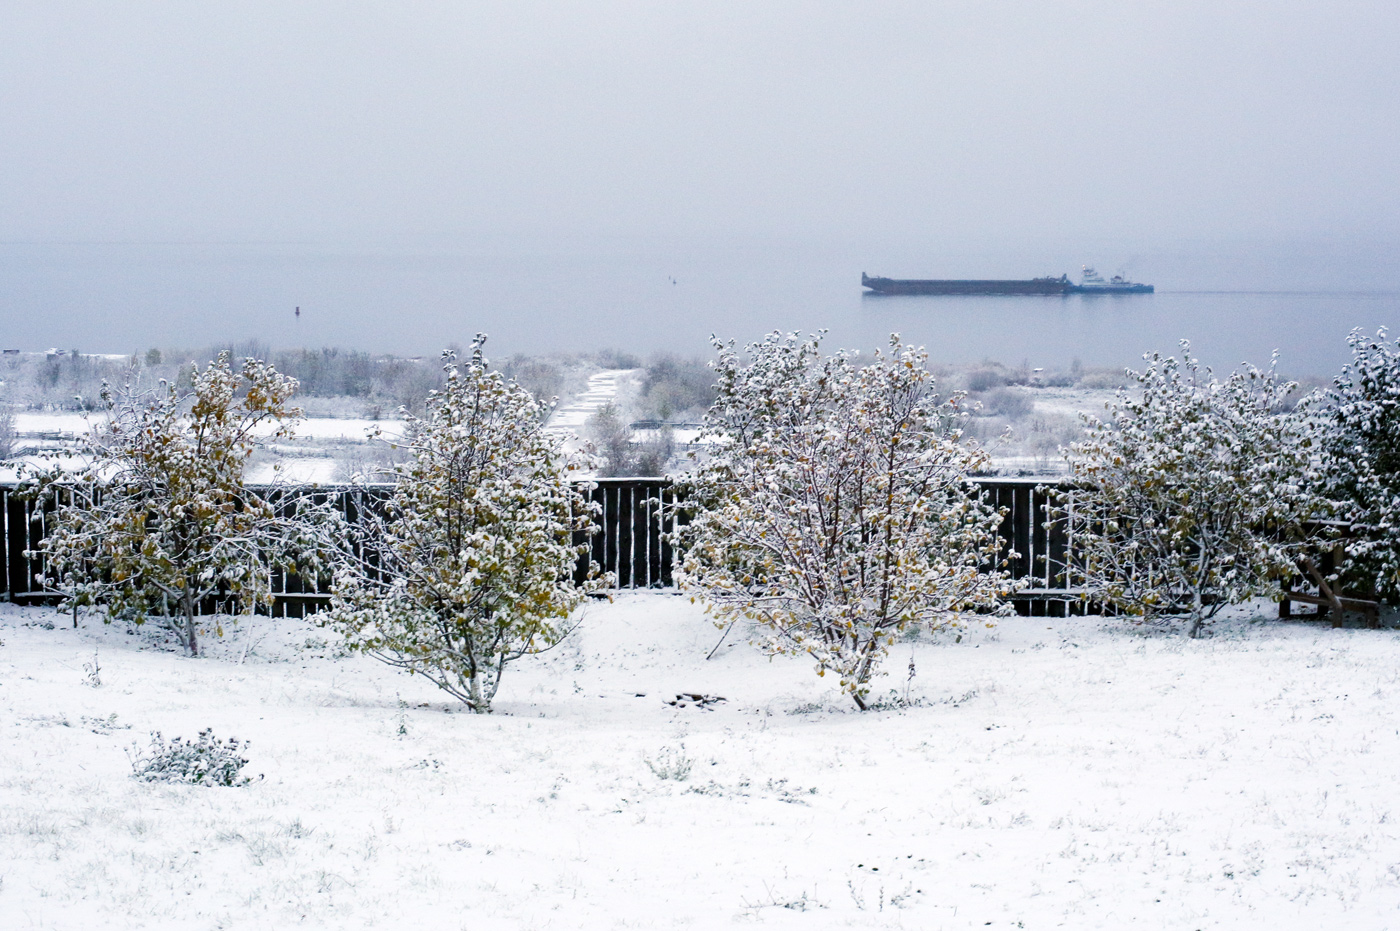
(450, 122)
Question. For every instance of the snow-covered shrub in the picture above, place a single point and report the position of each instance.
(1192, 494)
(92, 672)
(836, 510)
(611, 439)
(985, 379)
(156, 514)
(675, 389)
(469, 565)
(1012, 403)
(206, 761)
(670, 763)
(618, 453)
(1361, 458)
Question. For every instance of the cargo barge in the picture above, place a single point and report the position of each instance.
(1060, 285)
(1092, 283)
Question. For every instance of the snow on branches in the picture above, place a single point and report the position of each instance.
(158, 516)
(469, 565)
(1361, 458)
(837, 511)
(1193, 494)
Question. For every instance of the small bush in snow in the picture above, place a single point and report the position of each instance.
(670, 763)
(92, 672)
(836, 510)
(1192, 495)
(470, 564)
(206, 761)
(895, 701)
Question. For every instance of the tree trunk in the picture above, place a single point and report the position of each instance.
(863, 675)
(479, 704)
(191, 641)
(1198, 607)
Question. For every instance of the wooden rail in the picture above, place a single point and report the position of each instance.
(631, 541)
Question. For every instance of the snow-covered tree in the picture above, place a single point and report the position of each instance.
(153, 514)
(611, 438)
(1193, 493)
(836, 510)
(469, 564)
(7, 430)
(1361, 458)
(618, 453)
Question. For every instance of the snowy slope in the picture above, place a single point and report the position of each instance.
(1056, 773)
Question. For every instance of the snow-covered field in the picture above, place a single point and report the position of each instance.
(323, 450)
(327, 450)
(1051, 773)
(318, 428)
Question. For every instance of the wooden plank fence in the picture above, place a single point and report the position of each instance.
(631, 541)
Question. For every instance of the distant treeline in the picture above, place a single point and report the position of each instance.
(71, 380)
(368, 384)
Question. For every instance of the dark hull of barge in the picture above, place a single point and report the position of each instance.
(1031, 286)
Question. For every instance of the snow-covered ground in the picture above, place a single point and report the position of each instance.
(331, 445)
(336, 446)
(1051, 773)
(1071, 402)
(327, 444)
(30, 424)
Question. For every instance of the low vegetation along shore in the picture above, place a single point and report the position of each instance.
(1024, 416)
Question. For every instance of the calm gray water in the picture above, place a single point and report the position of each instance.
(1234, 307)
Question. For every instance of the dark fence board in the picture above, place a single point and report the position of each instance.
(667, 550)
(610, 535)
(1023, 517)
(1039, 568)
(631, 539)
(22, 583)
(641, 536)
(654, 516)
(5, 494)
(622, 527)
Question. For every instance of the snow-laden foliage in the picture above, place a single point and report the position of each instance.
(1361, 459)
(206, 761)
(469, 565)
(836, 510)
(152, 514)
(7, 430)
(1192, 494)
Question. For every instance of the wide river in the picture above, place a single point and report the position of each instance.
(1233, 306)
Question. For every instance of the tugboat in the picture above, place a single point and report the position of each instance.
(1092, 283)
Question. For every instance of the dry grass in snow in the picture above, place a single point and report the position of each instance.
(1050, 773)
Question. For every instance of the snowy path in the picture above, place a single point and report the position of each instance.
(603, 387)
(1055, 773)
